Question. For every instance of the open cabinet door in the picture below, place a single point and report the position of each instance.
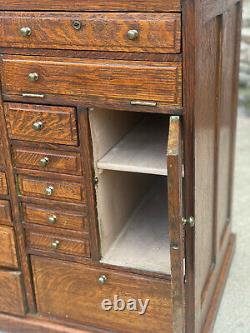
(176, 232)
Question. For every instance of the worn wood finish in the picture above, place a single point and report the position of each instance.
(71, 291)
(8, 257)
(5, 213)
(158, 33)
(2, 162)
(118, 80)
(3, 184)
(58, 124)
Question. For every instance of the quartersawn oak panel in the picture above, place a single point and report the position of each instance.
(5, 213)
(71, 291)
(133, 80)
(61, 162)
(3, 184)
(8, 256)
(59, 123)
(100, 31)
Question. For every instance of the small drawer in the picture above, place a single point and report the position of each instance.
(8, 256)
(51, 243)
(5, 213)
(52, 189)
(3, 184)
(55, 217)
(76, 292)
(11, 293)
(41, 123)
(47, 160)
(118, 32)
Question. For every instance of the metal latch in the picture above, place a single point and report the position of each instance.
(189, 221)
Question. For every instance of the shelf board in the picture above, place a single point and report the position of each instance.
(144, 243)
(142, 150)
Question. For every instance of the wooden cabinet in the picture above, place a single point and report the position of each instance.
(116, 164)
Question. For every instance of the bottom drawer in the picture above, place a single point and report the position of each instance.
(82, 293)
(11, 294)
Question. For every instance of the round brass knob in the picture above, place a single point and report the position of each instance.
(133, 34)
(102, 279)
(77, 25)
(52, 219)
(55, 244)
(33, 77)
(49, 190)
(44, 161)
(25, 31)
(37, 126)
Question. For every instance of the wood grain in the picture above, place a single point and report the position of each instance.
(8, 257)
(3, 184)
(5, 213)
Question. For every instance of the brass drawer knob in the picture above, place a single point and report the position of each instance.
(52, 219)
(37, 126)
(133, 34)
(49, 190)
(44, 161)
(33, 77)
(55, 244)
(77, 25)
(25, 31)
(102, 279)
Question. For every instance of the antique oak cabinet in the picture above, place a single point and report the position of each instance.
(117, 124)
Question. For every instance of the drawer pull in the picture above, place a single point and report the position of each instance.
(37, 126)
(49, 190)
(33, 95)
(102, 279)
(55, 244)
(52, 219)
(33, 77)
(25, 31)
(77, 25)
(144, 103)
(132, 34)
(44, 161)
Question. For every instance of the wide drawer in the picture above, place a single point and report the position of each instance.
(52, 189)
(72, 291)
(5, 214)
(54, 217)
(127, 32)
(3, 184)
(54, 243)
(110, 80)
(47, 160)
(11, 293)
(8, 256)
(39, 123)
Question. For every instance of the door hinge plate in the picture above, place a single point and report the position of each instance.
(189, 221)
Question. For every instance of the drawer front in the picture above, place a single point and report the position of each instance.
(72, 291)
(129, 81)
(57, 244)
(5, 214)
(47, 160)
(11, 293)
(8, 256)
(127, 32)
(51, 189)
(41, 123)
(57, 218)
(3, 184)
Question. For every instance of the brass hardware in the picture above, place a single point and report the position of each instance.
(102, 279)
(52, 219)
(77, 25)
(44, 161)
(37, 126)
(25, 31)
(144, 103)
(132, 34)
(55, 244)
(49, 190)
(33, 95)
(189, 221)
(96, 180)
(175, 247)
(33, 77)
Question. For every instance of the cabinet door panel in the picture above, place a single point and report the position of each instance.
(8, 256)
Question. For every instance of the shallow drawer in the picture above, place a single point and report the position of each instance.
(5, 214)
(92, 79)
(57, 244)
(3, 184)
(47, 160)
(41, 123)
(11, 293)
(52, 189)
(55, 217)
(72, 291)
(8, 256)
(127, 32)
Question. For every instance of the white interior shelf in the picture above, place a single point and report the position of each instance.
(141, 150)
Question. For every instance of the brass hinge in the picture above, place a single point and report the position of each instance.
(188, 221)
